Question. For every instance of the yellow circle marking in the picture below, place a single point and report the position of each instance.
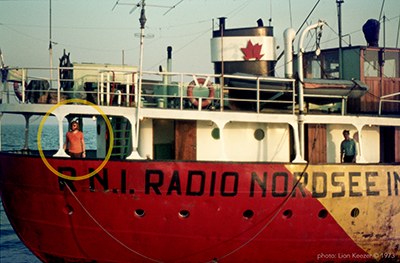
(108, 153)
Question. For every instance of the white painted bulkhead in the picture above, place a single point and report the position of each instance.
(146, 138)
(369, 137)
(241, 144)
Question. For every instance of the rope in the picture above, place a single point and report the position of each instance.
(108, 233)
(359, 54)
(283, 204)
(233, 251)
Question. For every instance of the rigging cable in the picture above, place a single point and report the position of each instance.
(233, 251)
(380, 15)
(398, 30)
(290, 12)
(270, 12)
(359, 54)
(298, 30)
(108, 233)
(283, 204)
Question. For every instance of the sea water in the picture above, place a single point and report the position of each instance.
(12, 250)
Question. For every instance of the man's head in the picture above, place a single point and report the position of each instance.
(346, 134)
(74, 125)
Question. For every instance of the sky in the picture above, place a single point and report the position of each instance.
(91, 32)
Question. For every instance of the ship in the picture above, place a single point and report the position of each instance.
(235, 166)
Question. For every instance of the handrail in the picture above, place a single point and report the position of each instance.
(127, 83)
(382, 99)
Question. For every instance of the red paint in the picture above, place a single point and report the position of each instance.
(252, 51)
(53, 225)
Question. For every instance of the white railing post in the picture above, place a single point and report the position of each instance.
(181, 92)
(58, 86)
(108, 88)
(23, 85)
(127, 89)
(119, 97)
(102, 88)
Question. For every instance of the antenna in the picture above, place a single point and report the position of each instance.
(116, 3)
(141, 3)
(137, 5)
(173, 7)
(138, 97)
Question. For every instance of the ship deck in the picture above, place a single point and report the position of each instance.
(113, 92)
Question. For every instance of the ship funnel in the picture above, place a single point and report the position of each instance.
(248, 50)
(371, 32)
(288, 35)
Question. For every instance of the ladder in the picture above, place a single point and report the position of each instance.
(122, 137)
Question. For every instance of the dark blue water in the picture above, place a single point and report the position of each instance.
(12, 250)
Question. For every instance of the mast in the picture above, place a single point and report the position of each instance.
(222, 28)
(138, 92)
(142, 21)
(339, 9)
(50, 47)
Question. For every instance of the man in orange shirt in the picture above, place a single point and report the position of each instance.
(75, 142)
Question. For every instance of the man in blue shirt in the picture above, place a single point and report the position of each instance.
(348, 149)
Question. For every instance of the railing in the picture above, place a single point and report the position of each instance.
(111, 86)
(384, 99)
(114, 87)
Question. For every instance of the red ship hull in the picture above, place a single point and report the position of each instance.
(144, 211)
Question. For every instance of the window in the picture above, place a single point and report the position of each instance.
(215, 133)
(371, 63)
(391, 67)
(331, 65)
(313, 67)
(259, 134)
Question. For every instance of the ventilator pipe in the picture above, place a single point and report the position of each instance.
(300, 63)
(164, 76)
(169, 62)
(288, 36)
(301, 91)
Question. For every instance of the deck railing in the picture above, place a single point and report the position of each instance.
(107, 86)
(110, 87)
(385, 99)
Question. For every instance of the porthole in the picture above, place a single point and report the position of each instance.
(323, 214)
(140, 212)
(355, 212)
(287, 214)
(259, 134)
(215, 133)
(68, 210)
(248, 214)
(184, 214)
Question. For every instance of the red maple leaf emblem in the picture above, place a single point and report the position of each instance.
(252, 52)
